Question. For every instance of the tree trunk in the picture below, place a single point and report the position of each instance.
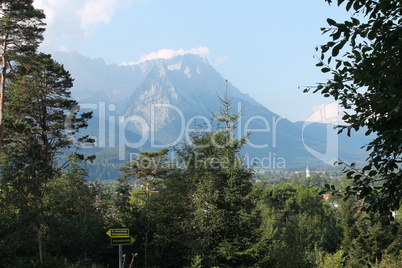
(146, 250)
(2, 89)
(40, 246)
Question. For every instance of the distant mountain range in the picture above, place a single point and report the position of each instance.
(159, 103)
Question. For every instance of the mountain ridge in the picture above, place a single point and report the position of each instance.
(158, 102)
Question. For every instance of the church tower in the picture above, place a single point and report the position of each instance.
(307, 172)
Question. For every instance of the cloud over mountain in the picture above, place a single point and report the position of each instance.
(171, 53)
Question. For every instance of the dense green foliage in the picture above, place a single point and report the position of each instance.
(207, 212)
(200, 207)
(20, 34)
(364, 59)
(36, 117)
(37, 103)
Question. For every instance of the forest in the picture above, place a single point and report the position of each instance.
(197, 204)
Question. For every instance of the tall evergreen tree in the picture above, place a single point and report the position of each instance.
(205, 212)
(21, 31)
(37, 106)
(365, 238)
(150, 169)
(222, 203)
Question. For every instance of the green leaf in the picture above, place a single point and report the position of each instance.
(357, 5)
(325, 70)
(322, 192)
(355, 21)
(324, 49)
(347, 64)
(340, 2)
(349, 5)
(331, 43)
(335, 52)
(366, 168)
(336, 35)
(331, 22)
(349, 24)
(371, 35)
(338, 47)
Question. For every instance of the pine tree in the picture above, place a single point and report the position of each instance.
(21, 31)
(38, 105)
(150, 168)
(222, 203)
(364, 238)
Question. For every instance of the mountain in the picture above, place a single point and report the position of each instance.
(178, 90)
(95, 81)
(159, 103)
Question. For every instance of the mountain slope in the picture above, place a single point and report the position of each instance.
(159, 103)
(96, 81)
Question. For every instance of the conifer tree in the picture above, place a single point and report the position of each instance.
(21, 31)
(149, 167)
(38, 105)
(205, 212)
(222, 202)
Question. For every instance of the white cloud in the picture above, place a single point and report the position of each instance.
(98, 11)
(71, 20)
(170, 53)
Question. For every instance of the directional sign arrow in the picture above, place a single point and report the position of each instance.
(116, 241)
(121, 232)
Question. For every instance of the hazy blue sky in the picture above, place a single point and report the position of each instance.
(263, 47)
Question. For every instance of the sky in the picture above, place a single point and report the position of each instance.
(265, 48)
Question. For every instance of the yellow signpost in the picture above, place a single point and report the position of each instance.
(121, 232)
(120, 237)
(116, 241)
